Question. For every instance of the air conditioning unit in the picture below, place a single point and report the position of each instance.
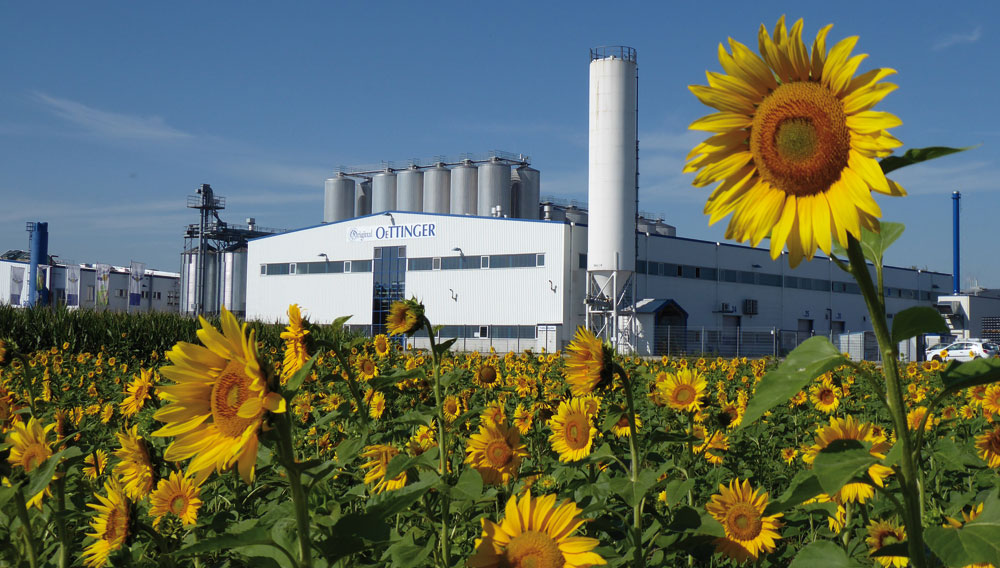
(726, 308)
(750, 307)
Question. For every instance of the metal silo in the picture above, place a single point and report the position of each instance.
(234, 280)
(528, 193)
(338, 202)
(410, 190)
(437, 189)
(192, 280)
(494, 188)
(464, 189)
(363, 199)
(612, 193)
(383, 192)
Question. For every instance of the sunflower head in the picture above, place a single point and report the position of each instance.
(795, 142)
(740, 510)
(405, 317)
(496, 452)
(110, 525)
(177, 495)
(572, 431)
(882, 534)
(29, 444)
(588, 365)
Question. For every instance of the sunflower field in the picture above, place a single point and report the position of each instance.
(298, 451)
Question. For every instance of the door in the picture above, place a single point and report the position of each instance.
(388, 283)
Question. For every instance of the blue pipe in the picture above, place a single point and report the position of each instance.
(39, 255)
(956, 197)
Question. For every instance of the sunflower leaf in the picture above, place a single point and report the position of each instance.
(841, 462)
(804, 486)
(809, 360)
(39, 478)
(874, 245)
(978, 541)
(293, 384)
(917, 155)
(973, 373)
(469, 486)
(256, 535)
(822, 554)
(915, 321)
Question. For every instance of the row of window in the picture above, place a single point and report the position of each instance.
(461, 262)
(761, 279)
(484, 332)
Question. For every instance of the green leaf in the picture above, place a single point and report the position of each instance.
(841, 462)
(916, 321)
(7, 493)
(822, 554)
(402, 462)
(917, 155)
(339, 322)
(982, 371)
(978, 541)
(874, 245)
(809, 360)
(600, 455)
(444, 346)
(804, 486)
(380, 382)
(469, 486)
(39, 479)
(677, 489)
(405, 554)
(632, 493)
(293, 384)
(256, 535)
(895, 549)
(349, 449)
(372, 523)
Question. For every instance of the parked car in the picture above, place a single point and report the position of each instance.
(962, 350)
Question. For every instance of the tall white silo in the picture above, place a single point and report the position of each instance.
(384, 192)
(437, 189)
(464, 189)
(338, 199)
(410, 189)
(494, 188)
(363, 199)
(612, 192)
(528, 192)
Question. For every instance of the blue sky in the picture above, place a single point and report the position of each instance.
(112, 113)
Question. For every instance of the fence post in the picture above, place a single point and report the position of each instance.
(703, 341)
(668, 340)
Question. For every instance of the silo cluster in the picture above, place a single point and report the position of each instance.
(495, 187)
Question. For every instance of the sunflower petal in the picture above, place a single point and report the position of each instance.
(722, 122)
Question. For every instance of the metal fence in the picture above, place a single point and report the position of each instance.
(756, 342)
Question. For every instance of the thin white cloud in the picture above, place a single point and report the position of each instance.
(959, 38)
(111, 124)
(274, 172)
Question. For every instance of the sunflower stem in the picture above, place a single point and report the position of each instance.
(640, 558)
(64, 538)
(442, 442)
(909, 474)
(299, 497)
(29, 538)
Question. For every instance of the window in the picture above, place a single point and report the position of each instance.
(769, 279)
(640, 266)
(263, 269)
(291, 268)
(791, 282)
(90, 293)
(347, 266)
(820, 284)
(747, 277)
(157, 295)
(276, 269)
(730, 275)
(144, 294)
(361, 266)
(686, 271)
(436, 263)
(583, 261)
(707, 273)
(120, 293)
(484, 262)
(484, 331)
(539, 261)
(421, 263)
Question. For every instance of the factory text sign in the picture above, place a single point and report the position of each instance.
(391, 232)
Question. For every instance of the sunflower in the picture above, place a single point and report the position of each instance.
(217, 404)
(379, 457)
(110, 525)
(423, 439)
(967, 412)
(535, 532)
(294, 335)
(683, 390)
(991, 399)
(711, 447)
(376, 406)
(572, 432)
(881, 534)
(496, 452)
(29, 448)
(367, 368)
(740, 510)
(850, 429)
(789, 455)
(138, 393)
(825, 397)
(135, 469)
(452, 407)
(95, 464)
(405, 317)
(487, 376)
(914, 417)
(988, 446)
(588, 363)
(177, 494)
(523, 419)
(622, 428)
(382, 346)
(796, 142)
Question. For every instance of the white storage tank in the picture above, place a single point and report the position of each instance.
(665, 229)
(494, 189)
(190, 274)
(338, 199)
(528, 193)
(464, 189)
(383, 192)
(234, 280)
(612, 162)
(437, 189)
(363, 199)
(410, 190)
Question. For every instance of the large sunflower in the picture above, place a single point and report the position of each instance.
(217, 403)
(572, 431)
(681, 391)
(405, 317)
(110, 525)
(740, 510)
(988, 447)
(135, 471)
(588, 363)
(535, 533)
(496, 452)
(377, 465)
(850, 429)
(177, 495)
(29, 448)
(294, 335)
(796, 142)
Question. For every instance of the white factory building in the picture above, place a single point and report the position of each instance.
(495, 267)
